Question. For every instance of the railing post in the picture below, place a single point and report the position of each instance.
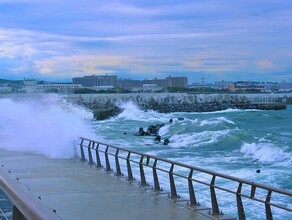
(215, 208)
(16, 214)
(252, 191)
(269, 215)
(107, 166)
(173, 193)
(118, 168)
(82, 151)
(240, 208)
(193, 200)
(90, 160)
(129, 169)
(142, 174)
(98, 161)
(155, 177)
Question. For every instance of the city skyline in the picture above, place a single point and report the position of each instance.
(226, 40)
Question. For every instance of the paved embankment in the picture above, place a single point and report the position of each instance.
(78, 191)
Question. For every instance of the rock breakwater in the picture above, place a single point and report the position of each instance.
(106, 105)
(210, 107)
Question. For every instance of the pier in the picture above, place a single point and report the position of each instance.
(69, 189)
(110, 182)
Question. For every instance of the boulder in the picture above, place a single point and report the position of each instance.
(106, 113)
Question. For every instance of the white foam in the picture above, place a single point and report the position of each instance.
(265, 152)
(164, 130)
(216, 121)
(230, 110)
(134, 113)
(197, 139)
(45, 124)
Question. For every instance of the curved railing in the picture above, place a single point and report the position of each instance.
(25, 205)
(158, 167)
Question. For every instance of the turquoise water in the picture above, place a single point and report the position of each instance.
(233, 142)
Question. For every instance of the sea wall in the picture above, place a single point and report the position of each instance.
(106, 105)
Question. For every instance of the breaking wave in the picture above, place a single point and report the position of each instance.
(45, 124)
(265, 152)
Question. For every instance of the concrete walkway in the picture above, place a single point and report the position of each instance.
(78, 191)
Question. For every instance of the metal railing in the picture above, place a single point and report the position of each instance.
(243, 190)
(25, 205)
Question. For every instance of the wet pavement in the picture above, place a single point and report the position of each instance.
(77, 191)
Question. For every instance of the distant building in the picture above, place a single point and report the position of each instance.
(99, 88)
(57, 86)
(221, 85)
(93, 80)
(107, 80)
(129, 83)
(5, 89)
(180, 81)
(271, 86)
(150, 87)
(153, 84)
(285, 87)
(30, 86)
(161, 83)
(249, 86)
(30, 82)
(200, 85)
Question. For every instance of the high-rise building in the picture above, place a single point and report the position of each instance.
(129, 83)
(161, 83)
(93, 80)
(180, 81)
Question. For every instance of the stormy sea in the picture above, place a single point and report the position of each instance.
(250, 144)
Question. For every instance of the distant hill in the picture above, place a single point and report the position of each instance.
(12, 83)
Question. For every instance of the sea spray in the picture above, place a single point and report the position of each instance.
(45, 124)
(265, 152)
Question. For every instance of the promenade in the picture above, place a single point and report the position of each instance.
(77, 191)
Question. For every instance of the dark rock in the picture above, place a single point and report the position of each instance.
(157, 138)
(166, 142)
(106, 113)
(141, 132)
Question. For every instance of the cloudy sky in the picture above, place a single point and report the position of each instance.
(215, 39)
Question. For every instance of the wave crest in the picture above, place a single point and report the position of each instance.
(265, 152)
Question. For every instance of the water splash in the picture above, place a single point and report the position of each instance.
(265, 152)
(216, 121)
(45, 124)
(133, 112)
(197, 139)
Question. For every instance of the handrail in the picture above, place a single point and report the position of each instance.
(150, 161)
(25, 205)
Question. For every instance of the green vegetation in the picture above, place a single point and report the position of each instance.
(93, 91)
(189, 90)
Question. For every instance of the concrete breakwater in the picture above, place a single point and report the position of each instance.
(210, 107)
(107, 105)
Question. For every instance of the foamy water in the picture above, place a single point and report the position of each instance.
(265, 152)
(234, 142)
(44, 124)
